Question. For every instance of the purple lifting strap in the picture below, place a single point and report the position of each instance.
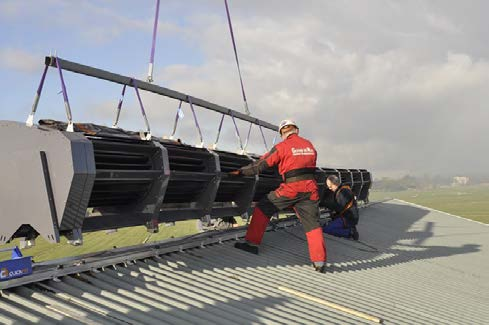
(236, 57)
(155, 29)
(30, 119)
(41, 84)
(177, 117)
(133, 82)
(237, 131)
(263, 137)
(195, 119)
(119, 107)
(65, 94)
(219, 131)
(153, 45)
(247, 137)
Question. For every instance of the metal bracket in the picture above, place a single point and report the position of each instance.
(30, 119)
(246, 217)
(70, 127)
(75, 238)
(26, 243)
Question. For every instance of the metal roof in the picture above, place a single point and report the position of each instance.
(419, 267)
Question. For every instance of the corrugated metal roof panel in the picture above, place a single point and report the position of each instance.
(419, 267)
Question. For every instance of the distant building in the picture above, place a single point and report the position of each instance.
(460, 181)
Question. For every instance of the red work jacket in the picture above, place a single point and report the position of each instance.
(293, 153)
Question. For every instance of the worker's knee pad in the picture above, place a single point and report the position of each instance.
(310, 224)
(267, 206)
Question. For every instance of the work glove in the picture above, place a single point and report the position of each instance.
(236, 172)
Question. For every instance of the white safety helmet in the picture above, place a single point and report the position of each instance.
(285, 123)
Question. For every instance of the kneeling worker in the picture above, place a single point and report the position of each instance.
(345, 214)
(296, 160)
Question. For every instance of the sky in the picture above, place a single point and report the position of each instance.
(396, 87)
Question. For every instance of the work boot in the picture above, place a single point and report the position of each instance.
(354, 233)
(247, 247)
(319, 266)
(322, 267)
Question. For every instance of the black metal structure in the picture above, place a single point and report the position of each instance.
(131, 82)
(85, 177)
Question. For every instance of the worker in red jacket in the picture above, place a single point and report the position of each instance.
(296, 160)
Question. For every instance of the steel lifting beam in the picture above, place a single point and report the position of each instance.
(131, 82)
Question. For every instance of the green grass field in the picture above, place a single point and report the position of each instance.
(100, 241)
(471, 202)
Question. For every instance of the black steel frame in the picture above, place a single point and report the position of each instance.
(131, 82)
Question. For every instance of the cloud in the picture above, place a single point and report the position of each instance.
(95, 22)
(396, 87)
(442, 24)
(105, 23)
(388, 106)
(19, 60)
